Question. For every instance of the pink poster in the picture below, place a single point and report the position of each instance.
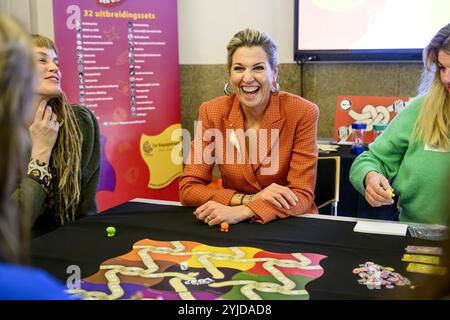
(120, 59)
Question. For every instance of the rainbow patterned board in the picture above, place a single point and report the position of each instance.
(186, 270)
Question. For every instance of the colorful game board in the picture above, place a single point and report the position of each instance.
(178, 270)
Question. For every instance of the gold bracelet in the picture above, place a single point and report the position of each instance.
(242, 199)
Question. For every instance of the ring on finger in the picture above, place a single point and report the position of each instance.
(208, 219)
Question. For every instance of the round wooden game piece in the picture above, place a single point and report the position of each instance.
(224, 227)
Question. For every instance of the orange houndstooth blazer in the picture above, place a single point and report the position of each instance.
(284, 152)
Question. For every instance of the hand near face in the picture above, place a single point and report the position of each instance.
(44, 132)
(376, 190)
(213, 213)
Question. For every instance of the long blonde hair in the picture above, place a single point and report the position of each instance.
(433, 124)
(66, 155)
(17, 81)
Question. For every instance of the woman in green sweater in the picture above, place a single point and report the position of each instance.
(64, 167)
(412, 157)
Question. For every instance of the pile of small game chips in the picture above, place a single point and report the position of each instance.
(375, 276)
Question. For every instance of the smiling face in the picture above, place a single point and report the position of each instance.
(444, 68)
(49, 75)
(252, 77)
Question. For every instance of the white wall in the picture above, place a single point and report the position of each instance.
(41, 13)
(19, 8)
(36, 15)
(204, 26)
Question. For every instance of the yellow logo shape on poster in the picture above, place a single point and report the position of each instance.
(157, 154)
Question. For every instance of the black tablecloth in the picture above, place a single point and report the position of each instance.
(84, 243)
(351, 202)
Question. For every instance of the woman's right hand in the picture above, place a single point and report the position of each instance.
(280, 196)
(376, 190)
(44, 132)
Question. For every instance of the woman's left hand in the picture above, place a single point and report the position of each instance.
(213, 213)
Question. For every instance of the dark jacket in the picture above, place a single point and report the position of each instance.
(31, 193)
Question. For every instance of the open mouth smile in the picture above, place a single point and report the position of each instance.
(250, 90)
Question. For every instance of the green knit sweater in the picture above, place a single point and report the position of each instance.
(417, 174)
(31, 193)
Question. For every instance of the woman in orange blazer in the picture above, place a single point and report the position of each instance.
(262, 139)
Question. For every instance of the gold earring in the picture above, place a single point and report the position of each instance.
(276, 89)
(226, 89)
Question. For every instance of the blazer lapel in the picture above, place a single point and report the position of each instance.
(235, 138)
(272, 123)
